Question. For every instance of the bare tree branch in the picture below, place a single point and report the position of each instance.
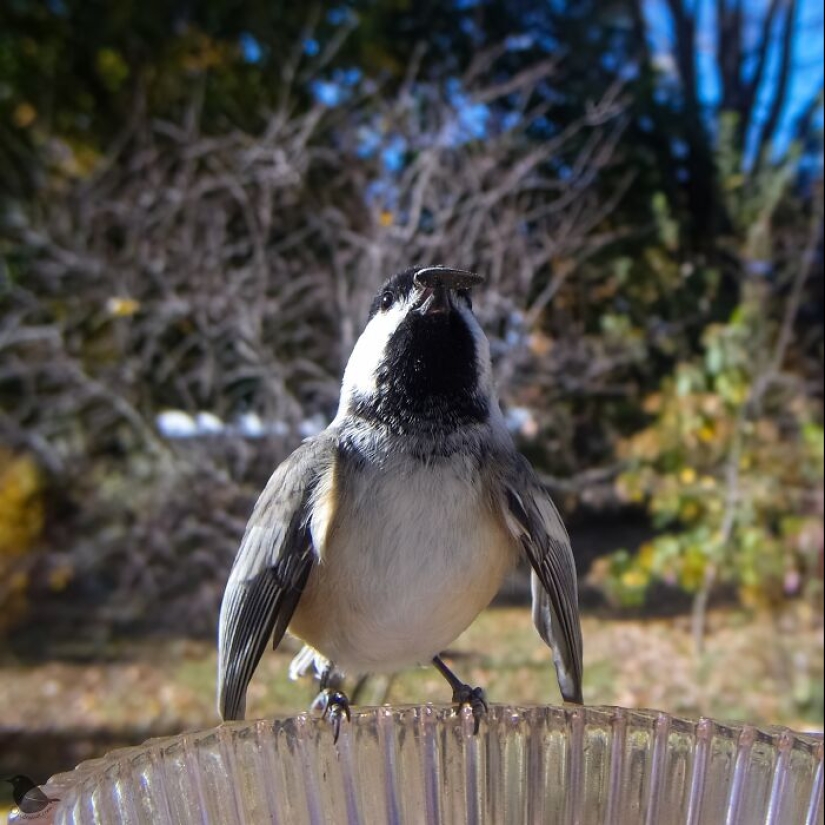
(729, 49)
(684, 28)
(762, 48)
(227, 275)
(767, 131)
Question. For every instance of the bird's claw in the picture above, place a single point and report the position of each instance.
(474, 697)
(334, 706)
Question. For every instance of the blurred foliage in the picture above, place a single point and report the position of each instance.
(730, 467)
(196, 201)
(727, 486)
(21, 524)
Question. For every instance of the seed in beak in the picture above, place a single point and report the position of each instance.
(443, 276)
(435, 301)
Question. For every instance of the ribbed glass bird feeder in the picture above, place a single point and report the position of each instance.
(560, 765)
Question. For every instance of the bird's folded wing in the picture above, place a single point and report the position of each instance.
(533, 518)
(270, 571)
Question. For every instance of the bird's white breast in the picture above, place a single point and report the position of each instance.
(410, 553)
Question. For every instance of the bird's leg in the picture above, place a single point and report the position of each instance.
(330, 677)
(464, 694)
(332, 703)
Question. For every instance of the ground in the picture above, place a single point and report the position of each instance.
(760, 668)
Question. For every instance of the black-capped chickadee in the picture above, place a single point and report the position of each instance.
(378, 541)
(28, 797)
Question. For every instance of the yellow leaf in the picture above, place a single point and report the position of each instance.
(112, 68)
(653, 403)
(634, 578)
(21, 505)
(59, 578)
(122, 307)
(689, 511)
(706, 434)
(539, 343)
(646, 556)
(23, 115)
(693, 570)
(688, 475)
(17, 582)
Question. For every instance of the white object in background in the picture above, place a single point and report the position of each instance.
(250, 425)
(209, 424)
(176, 424)
(280, 428)
(312, 425)
(521, 421)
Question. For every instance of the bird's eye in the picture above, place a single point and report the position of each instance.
(387, 300)
(465, 295)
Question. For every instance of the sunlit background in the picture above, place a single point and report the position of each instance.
(197, 201)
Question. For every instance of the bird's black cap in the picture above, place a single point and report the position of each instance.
(429, 277)
(27, 796)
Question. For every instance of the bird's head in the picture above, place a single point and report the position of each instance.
(422, 363)
(19, 781)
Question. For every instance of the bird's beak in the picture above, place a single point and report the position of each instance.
(436, 283)
(435, 300)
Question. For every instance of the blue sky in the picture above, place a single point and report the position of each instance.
(807, 73)
(806, 77)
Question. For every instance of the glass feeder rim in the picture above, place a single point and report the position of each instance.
(702, 727)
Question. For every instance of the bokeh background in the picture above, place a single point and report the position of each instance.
(197, 201)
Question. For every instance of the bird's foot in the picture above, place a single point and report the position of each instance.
(334, 706)
(474, 697)
(464, 694)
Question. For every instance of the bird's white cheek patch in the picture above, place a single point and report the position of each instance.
(362, 367)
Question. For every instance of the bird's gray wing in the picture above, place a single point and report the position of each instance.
(270, 571)
(533, 518)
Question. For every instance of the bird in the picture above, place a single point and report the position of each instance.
(380, 539)
(27, 796)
